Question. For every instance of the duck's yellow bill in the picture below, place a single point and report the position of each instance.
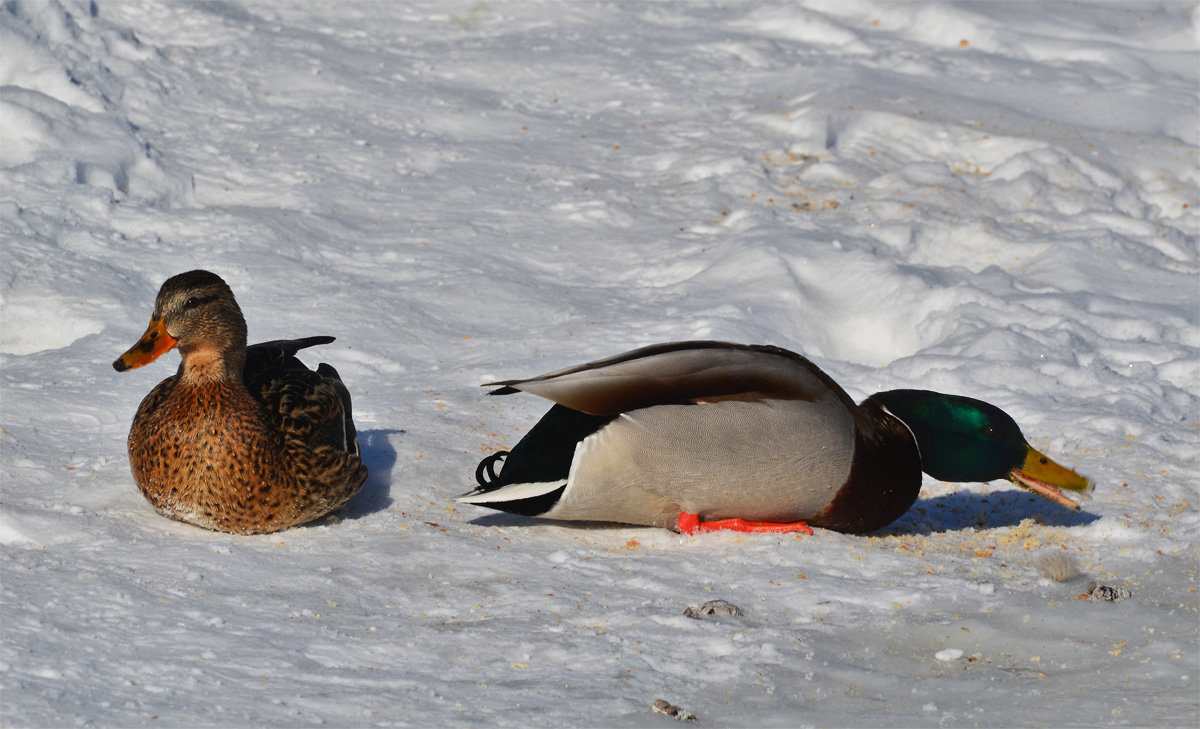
(153, 344)
(1046, 478)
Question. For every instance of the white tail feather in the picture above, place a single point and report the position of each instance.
(512, 492)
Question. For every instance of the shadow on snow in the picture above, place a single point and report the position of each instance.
(946, 513)
(379, 455)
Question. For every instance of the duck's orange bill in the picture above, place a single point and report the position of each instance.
(1046, 478)
(153, 344)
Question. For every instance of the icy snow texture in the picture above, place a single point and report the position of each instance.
(998, 200)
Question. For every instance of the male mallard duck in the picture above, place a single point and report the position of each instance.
(241, 439)
(744, 437)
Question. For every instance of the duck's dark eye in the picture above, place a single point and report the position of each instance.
(191, 303)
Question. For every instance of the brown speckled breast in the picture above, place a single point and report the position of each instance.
(207, 454)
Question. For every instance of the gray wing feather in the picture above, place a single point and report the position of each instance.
(681, 372)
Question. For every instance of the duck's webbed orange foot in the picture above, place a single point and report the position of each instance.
(691, 524)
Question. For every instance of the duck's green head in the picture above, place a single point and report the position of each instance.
(964, 439)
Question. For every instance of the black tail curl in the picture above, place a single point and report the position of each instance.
(485, 472)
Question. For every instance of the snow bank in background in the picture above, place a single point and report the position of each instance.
(997, 199)
(55, 128)
(34, 324)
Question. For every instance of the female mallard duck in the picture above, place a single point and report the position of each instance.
(750, 438)
(241, 439)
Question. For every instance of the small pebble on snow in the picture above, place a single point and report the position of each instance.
(1107, 593)
(948, 654)
(662, 706)
(713, 607)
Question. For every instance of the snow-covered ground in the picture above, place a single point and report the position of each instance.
(992, 199)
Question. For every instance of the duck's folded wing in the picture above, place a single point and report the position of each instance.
(311, 407)
(680, 372)
(266, 360)
(304, 406)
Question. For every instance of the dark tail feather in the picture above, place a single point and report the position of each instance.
(332, 377)
(545, 453)
(503, 391)
(485, 472)
(538, 467)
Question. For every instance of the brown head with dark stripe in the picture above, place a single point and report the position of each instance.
(196, 312)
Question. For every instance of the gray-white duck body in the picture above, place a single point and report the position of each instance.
(749, 433)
